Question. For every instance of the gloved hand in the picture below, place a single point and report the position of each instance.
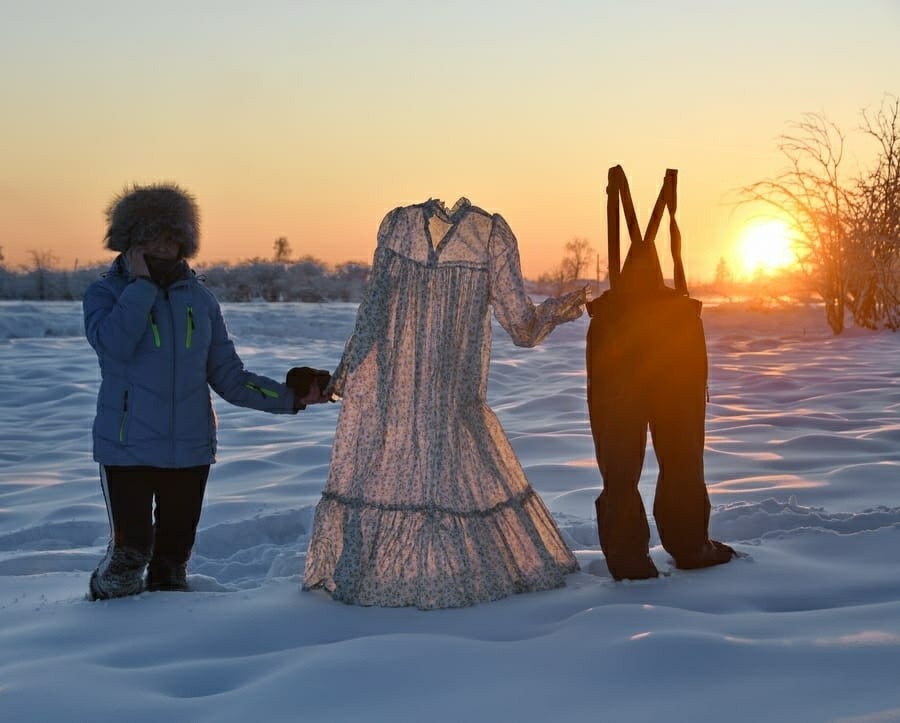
(308, 385)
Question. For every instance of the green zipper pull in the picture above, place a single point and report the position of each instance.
(155, 330)
(190, 328)
(124, 416)
(263, 392)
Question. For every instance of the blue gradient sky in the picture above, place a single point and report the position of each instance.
(312, 119)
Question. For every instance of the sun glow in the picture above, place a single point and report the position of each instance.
(765, 247)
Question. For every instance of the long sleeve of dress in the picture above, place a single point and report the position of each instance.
(365, 332)
(525, 322)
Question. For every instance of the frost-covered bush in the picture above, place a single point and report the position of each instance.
(306, 279)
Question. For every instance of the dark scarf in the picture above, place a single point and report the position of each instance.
(165, 272)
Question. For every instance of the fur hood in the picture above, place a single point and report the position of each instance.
(140, 213)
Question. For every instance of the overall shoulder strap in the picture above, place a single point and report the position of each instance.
(670, 186)
(641, 270)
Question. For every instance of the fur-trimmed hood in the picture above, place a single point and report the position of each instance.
(141, 213)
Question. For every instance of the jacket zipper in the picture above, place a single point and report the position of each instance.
(124, 417)
(172, 375)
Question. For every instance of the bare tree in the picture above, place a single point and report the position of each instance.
(809, 192)
(574, 265)
(577, 259)
(282, 249)
(724, 278)
(874, 289)
(41, 263)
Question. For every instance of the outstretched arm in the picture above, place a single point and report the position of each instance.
(228, 378)
(525, 322)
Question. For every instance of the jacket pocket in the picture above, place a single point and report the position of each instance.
(195, 337)
(157, 342)
(189, 326)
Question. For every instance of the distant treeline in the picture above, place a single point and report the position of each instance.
(307, 279)
(311, 280)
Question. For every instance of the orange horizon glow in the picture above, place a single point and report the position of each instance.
(313, 120)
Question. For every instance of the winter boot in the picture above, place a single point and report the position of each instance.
(710, 553)
(164, 575)
(636, 567)
(626, 551)
(120, 573)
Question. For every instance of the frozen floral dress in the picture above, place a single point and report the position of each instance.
(426, 503)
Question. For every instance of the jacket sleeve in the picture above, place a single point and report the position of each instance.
(526, 323)
(228, 378)
(114, 325)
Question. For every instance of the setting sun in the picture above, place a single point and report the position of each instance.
(765, 247)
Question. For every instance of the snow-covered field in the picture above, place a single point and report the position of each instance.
(803, 467)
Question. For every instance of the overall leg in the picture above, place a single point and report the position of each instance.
(681, 506)
(621, 518)
(678, 420)
(179, 500)
(129, 502)
(619, 427)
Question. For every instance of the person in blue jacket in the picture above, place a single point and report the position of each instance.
(162, 343)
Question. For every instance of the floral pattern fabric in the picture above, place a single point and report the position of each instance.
(426, 503)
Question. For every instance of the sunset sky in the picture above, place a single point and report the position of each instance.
(311, 120)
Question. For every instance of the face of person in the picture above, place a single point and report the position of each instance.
(162, 247)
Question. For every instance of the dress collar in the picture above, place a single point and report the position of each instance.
(439, 208)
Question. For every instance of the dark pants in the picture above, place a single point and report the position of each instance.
(647, 367)
(166, 532)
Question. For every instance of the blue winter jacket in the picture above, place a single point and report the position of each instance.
(159, 351)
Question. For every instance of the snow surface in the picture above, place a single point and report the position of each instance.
(803, 468)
